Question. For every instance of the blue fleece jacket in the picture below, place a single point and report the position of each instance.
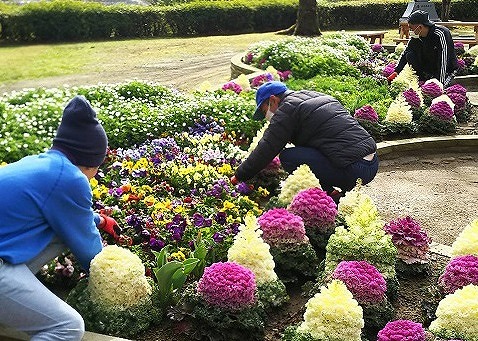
(43, 196)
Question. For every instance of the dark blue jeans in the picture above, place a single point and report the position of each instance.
(329, 175)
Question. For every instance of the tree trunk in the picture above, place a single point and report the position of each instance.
(307, 19)
(445, 10)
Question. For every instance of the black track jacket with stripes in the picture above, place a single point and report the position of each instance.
(434, 53)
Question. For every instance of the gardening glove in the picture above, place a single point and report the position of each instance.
(234, 180)
(110, 226)
(392, 77)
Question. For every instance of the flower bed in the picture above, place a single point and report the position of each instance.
(166, 181)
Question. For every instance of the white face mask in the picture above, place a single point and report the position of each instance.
(269, 113)
(416, 33)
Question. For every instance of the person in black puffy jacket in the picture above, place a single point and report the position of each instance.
(430, 51)
(325, 137)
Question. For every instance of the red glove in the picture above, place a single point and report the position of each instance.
(392, 77)
(110, 226)
(234, 180)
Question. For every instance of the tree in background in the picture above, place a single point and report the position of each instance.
(307, 23)
(445, 10)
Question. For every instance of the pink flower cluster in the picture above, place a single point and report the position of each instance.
(228, 285)
(261, 79)
(441, 110)
(402, 330)
(459, 272)
(363, 280)
(411, 241)
(412, 98)
(284, 75)
(280, 226)
(389, 69)
(458, 99)
(431, 90)
(315, 207)
(376, 47)
(456, 88)
(273, 167)
(232, 86)
(461, 64)
(367, 112)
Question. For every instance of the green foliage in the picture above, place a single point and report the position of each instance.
(118, 322)
(131, 114)
(291, 334)
(46, 20)
(272, 294)
(352, 92)
(295, 263)
(432, 124)
(171, 276)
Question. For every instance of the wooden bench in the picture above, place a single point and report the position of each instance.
(372, 36)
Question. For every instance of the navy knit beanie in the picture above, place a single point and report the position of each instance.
(80, 136)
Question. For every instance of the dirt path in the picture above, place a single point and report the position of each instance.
(186, 73)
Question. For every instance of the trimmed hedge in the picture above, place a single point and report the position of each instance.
(73, 20)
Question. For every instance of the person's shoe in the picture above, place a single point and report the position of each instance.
(335, 195)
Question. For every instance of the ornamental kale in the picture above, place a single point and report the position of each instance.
(300, 179)
(441, 110)
(363, 280)
(401, 330)
(280, 226)
(118, 302)
(228, 286)
(411, 241)
(457, 314)
(412, 98)
(367, 112)
(467, 241)
(459, 272)
(333, 314)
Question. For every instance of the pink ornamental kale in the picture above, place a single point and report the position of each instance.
(279, 226)
(441, 110)
(402, 330)
(366, 113)
(456, 88)
(431, 90)
(459, 272)
(411, 241)
(458, 99)
(412, 98)
(232, 86)
(228, 285)
(261, 79)
(459, 48)
(315, 207)
(461, 64)
(363, 280)
(377, 47)
(284, 75)
(388, 70)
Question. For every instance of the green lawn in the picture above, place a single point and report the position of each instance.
(25, 62)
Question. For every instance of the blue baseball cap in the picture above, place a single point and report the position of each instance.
(265, 91)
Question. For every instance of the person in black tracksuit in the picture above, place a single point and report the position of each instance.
(431, 53)
(324, 134)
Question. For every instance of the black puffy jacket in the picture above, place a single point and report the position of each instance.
(310, 119)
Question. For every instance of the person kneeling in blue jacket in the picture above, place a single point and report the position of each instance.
(325, 136)
(46, 208)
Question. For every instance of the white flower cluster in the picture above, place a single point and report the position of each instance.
(399, 111)
(250, 251)
(300, 179)
(467, 241)
(333, 314)
(117, 279)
